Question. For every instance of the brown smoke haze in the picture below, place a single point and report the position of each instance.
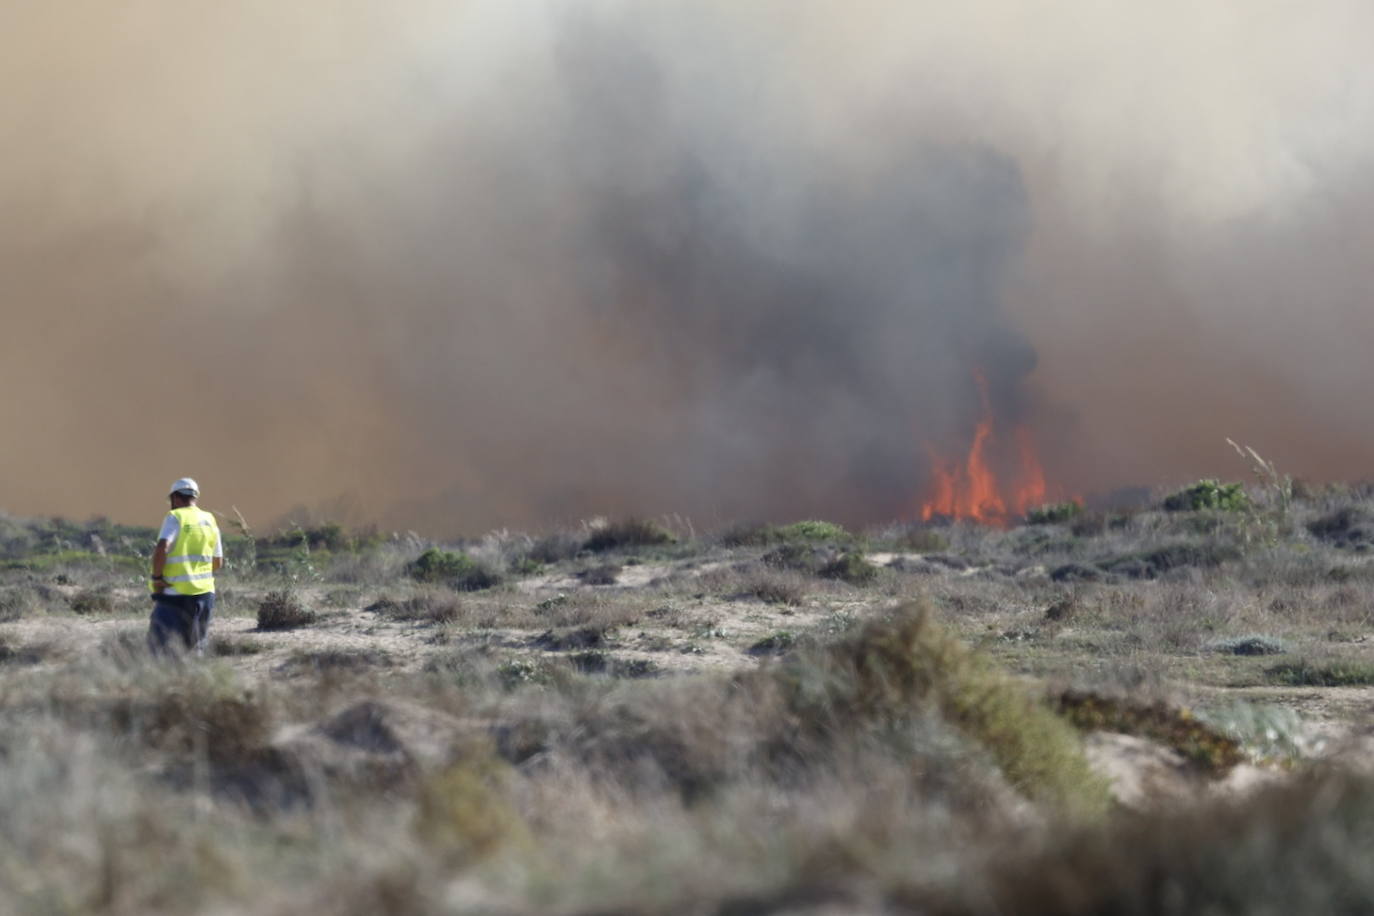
(502, 262)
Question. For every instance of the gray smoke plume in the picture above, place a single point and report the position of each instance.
(514, 263)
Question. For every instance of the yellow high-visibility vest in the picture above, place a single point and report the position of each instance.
(190, 566)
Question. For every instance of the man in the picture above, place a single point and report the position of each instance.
(188, 554)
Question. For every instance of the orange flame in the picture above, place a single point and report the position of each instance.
(970, 490)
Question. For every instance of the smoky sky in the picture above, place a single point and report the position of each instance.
(459, 265)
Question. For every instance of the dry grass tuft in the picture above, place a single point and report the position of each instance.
(23, 653)
(19, 601)
(1293, 849)
(92, 601)
(602, 574)
(573, 638)
(466, 812)
(427, 607)
(773, 587)
(283, 610)
(891, 665)
(628, 533)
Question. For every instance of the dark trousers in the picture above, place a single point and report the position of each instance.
(180, 623)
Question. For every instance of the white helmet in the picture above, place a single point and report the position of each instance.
(186, 487)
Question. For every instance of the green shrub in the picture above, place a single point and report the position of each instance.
(1209, 494)
(435, 565)
(457, 570)
(800, 557)
(812, 531)
(1054, 513)
(757, 535)
(283, 610)
(851, 568)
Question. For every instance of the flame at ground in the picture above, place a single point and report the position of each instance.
(971, 490)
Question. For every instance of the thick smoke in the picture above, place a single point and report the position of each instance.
(457, 266)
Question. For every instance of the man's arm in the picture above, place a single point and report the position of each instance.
(166, 537)
(159, 561)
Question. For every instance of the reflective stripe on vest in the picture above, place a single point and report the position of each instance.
(189, 569)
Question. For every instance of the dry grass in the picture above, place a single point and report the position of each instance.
(283, 610)
(427, 606)
(556, 746)
(92, 601)
(1295, 849)
(775, 587)
(627, 533)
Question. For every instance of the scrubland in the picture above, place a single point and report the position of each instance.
(1137, 711)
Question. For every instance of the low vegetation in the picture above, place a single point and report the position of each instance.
(283, 610)
(1324, 673)
(1054, 513)
(1209, 494)
(426, 607)
(851, 568)
(627, 533)
(630, 717)
(456, 570)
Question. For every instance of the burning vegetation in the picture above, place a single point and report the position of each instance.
(971, 488)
